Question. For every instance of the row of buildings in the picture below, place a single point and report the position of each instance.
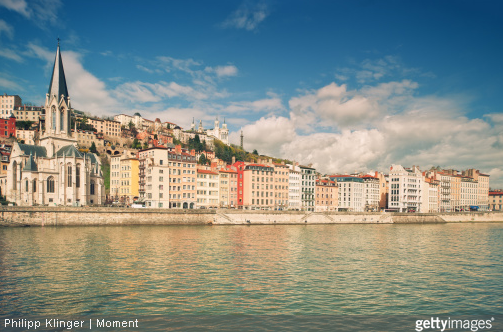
(161, 177)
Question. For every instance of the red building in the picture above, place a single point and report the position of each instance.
(8, 127)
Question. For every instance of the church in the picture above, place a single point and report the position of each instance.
(53, 171)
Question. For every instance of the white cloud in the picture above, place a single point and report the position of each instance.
(396, 127)
(262, 105)
(8, 84)
(6, 29)
(18, 6)
(40, 12)
(268, 135)
(223, 71)
(246, 17)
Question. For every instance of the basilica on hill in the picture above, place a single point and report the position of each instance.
(53, 171)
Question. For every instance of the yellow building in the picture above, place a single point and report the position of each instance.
(124, 179)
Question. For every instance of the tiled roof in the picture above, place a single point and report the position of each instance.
(35, 150)
(69, 151)
(204, 171)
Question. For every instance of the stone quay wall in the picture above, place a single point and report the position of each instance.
(106, 216)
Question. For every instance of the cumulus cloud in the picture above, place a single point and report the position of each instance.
(223, 71)
(395, 127)
(246, 17)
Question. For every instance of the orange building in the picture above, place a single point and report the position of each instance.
(326, 195)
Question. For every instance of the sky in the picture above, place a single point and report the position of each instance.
(344, 85)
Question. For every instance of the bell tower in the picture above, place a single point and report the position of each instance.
(58, 109)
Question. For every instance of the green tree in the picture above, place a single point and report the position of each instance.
(136, 144)
(202, 160)
(24, 125)
(93, 149)
(255, 152)
(131, 125)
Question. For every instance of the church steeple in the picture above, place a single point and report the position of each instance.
(58, 107)
(58, 87)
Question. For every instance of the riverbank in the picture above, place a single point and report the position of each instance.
(14, 216)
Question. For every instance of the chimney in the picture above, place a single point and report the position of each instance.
(178, 149)
(192, 152)
(233, 160)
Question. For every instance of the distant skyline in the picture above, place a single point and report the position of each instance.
(345, 85)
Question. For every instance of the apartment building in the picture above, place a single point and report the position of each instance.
(482, 188)
(8, 127)
(28, 113)
(182, 185)
(431, 200)
(308, 178)
(228, 188)
(106, 127)
(371, 193)
(327, 195)
(281, 190)
(294, 188)
(86, 138)
(406, 186)
(129, 179)
(208, 183)
(154, 178)
(351, 192)
(28, 136)
(468, 193)
(496, 200)
(8, 103)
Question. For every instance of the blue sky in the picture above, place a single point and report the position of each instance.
(345, 85)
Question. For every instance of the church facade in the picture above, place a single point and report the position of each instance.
(53, 171)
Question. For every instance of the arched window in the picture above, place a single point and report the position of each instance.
(69, 175)
(92, 187)
(53, 116)
(50, 185)
(26, 185)
(14, 171)
(34, 185)
(62, 119)
(77, 176)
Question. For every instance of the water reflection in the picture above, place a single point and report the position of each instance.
(308, 269)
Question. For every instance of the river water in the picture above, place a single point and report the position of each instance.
(252, 271)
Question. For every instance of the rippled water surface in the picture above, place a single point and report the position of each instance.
(260, 270)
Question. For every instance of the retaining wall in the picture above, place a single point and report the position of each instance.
(90, 216)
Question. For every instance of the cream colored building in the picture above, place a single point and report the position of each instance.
(208, 183)
(154, 178)
(106, 127)
(281, 189)
(228, 188)
(8, 104)
(129, 179)
(28, 113)
(294, 188)
(28, 136)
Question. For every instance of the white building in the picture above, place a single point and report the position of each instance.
(219, 133)
(351, 192)
(406, 189)
(294, 188)
(371, 193)
(8, 104)
(207, 194)
(154, 178)
(308, 185)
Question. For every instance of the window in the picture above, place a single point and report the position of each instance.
(34, 185)
(77, 176)
(50, 185)
(92, 187)
(69, 176)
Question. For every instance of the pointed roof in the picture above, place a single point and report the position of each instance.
(69, 151)
(28, 149)
(58, 81)
(31, 165)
